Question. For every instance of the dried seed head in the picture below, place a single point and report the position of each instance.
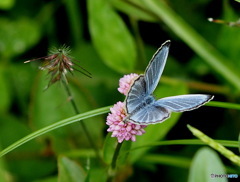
(58, 64)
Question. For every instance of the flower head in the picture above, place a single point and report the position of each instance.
(121, 130)
(126, 82)
(58, 64)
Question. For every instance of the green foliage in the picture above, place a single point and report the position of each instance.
(108, 149)
(205, 164)
(6, 4)
(40, 130)
(217, 146)
(70, 171)
(115, 45)
(5, 92)
(17, 36)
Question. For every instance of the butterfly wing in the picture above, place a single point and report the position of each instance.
(136, 94)
(150, 114)
(161, 109)
(145, 85)
(182, 103)
(155, 67)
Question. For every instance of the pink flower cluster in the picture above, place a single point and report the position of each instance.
(126, 82)
(123, 131)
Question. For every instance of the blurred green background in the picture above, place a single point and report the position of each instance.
(111, 38)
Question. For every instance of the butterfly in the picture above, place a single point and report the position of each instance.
(141, 106)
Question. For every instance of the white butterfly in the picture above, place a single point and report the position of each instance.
(142, 108)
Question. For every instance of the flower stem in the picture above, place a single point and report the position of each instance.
(73, 103)
(114, 162)
(115, 156)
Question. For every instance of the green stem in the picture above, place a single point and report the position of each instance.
(73, 103)
(113, 166)
(115, 156)
(87, 133)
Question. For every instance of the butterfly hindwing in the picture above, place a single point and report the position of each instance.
(136, 94)
(150, 114)
(182, 103)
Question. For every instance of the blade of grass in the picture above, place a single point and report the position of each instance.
(224, 105)
(54, 126)
(226, 143)
(215, 145)
(194, 40)
(169, 160)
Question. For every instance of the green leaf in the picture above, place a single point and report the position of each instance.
(5, 93)
(6, 4)
(134, 10)
(158, 131)
(111, 37)
(17, 36)
(3, 173)
(50, 179)
(70, 171)
(41, 167)
(206, 163)
(124, 152)
(22, 77)
(9, 124)
(43, 112)
(97, 174)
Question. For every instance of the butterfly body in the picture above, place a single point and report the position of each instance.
(141, 106)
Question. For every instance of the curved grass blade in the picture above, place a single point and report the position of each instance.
(226, 143)
(224, 105)
(217, 146)
(54, 126)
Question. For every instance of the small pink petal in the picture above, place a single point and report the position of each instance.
(133, 138)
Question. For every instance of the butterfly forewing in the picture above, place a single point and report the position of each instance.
(182, 103)
(155, 67)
